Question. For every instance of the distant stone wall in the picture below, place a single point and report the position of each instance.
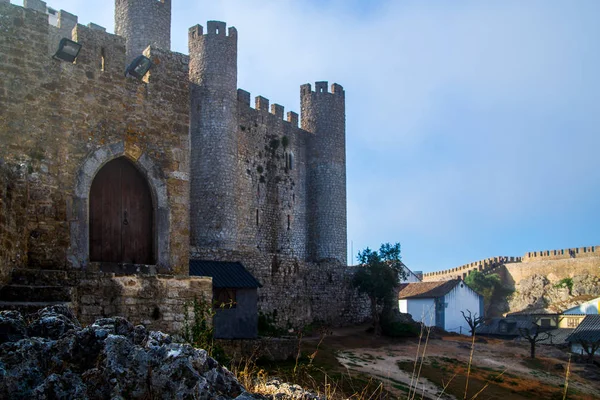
(575, 252)
(577, 260)
(157, 301)
(299, 292)
(461, 272)
(554, 270)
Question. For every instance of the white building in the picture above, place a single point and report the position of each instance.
(411, 276)
(440, 304)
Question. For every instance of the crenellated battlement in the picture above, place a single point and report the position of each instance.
(213, 28)
(532, 256)
(262, 104)
(575, 252)
(461, 272)
(322, 88)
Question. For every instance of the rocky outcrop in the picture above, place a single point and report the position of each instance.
(53, 357)
(537, 292)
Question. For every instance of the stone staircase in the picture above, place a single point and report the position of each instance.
(32, 289)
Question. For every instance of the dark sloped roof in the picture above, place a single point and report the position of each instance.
(420, 290)
(512, 326)
(532, 312)
(588, 330)
(225, 274)
(557, 336)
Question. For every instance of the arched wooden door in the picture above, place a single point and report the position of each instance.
(121, 215)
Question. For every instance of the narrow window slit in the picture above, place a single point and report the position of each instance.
(102, 59)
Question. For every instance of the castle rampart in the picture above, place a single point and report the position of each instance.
(461, 272)
(83, 108)
(532, 257)
(575, 252)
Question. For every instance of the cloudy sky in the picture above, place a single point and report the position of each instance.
(472, 126)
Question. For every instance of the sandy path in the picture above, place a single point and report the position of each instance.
(497, 354)
(382, 365)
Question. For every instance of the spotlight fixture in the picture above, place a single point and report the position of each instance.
(67, 50)
(139, 67)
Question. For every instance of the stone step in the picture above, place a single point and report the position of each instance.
(30, 307)
(28, 293)
(39, 277)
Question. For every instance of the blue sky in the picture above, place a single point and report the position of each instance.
(472, 126)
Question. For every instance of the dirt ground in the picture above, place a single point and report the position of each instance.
(500, 369)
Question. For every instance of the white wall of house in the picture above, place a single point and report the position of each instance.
(419, 309)
(461, 298)
(410, 276)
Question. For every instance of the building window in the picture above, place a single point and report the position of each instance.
(545, 322)
(102, 59)
(224, 298)
(572, 322)
(502, 328)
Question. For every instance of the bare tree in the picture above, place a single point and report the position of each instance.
(473, 320)
(590, 348)
(533, 336)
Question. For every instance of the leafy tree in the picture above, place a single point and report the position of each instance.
(473, 320)
(486, 285)
(533, 336)
(378, 277)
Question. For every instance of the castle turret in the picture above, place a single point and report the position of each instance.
(143, 23)
(213, 127)
(324, 115)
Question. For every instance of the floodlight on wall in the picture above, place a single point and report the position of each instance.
(139, 67)
(68, 50)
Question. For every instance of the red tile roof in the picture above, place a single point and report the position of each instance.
(421, 290)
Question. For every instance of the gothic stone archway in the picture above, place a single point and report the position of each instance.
(79, 249)
(121, 215)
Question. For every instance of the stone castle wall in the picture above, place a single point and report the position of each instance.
(578, 252)
(13, 193)
(271, 180)
(461, 272)
(554, 270)
(158, 302)
(63, 121)
(299, 292)
(239, 183)
(554, 264)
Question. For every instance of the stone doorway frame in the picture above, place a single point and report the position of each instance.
(79, 225)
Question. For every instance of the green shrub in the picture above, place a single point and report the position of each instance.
(198, 328)
(565, 283)
(398, 329)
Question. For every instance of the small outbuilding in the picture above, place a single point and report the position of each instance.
(440, 304)
(572, 317)
(585, 339)
(235, 298)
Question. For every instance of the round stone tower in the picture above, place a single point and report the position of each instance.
(143, 23)
(324, 115)
(213, 127)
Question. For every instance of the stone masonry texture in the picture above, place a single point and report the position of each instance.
(228, 181)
